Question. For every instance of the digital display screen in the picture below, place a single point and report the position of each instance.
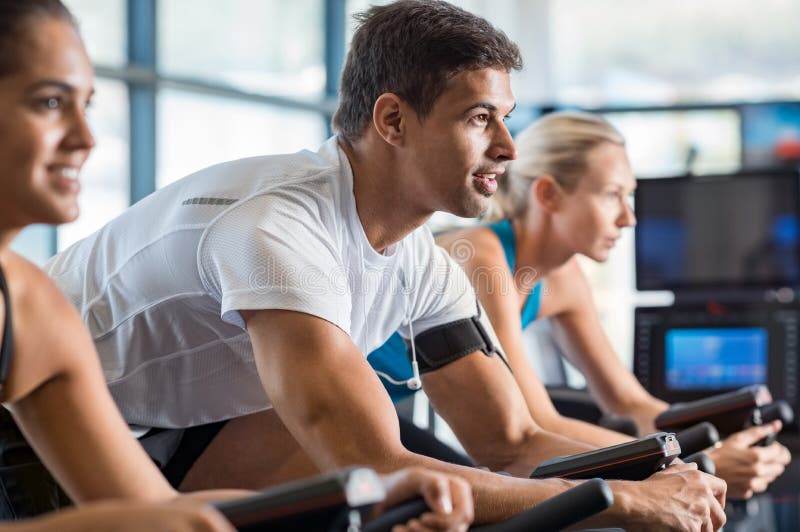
(718, 231)
(715, 359)
(771, 134)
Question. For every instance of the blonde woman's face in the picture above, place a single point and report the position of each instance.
(593, 214)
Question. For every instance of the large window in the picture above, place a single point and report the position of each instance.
(265, 46)
(272, 50)
(102, 25)
(635, 51)
(195, 131)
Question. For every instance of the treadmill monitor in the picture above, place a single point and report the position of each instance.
(703, 359)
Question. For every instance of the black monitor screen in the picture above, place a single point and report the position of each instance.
(718, 231)
(715, 359)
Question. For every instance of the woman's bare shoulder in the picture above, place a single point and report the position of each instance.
(49, 335)
(30, 288)
(478, 246)
(41, 312)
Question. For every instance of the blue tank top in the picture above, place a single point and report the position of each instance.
(505, 232)
(391, 358)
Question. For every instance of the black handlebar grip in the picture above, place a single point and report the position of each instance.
(769, 413)
(697, 437)
(397, 515)
(777, 410)
(559, 512)
(576, 504)
(703, 461)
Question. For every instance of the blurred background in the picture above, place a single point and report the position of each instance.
(702, 86)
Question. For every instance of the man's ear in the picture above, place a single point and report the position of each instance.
(547, 192)
(388, 118)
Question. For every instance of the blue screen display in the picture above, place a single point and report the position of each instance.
(713, 359)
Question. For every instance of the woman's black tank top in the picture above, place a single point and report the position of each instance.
(8, 341)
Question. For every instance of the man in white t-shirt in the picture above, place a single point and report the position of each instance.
(263, 283)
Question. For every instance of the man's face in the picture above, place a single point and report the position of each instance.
(458, 150)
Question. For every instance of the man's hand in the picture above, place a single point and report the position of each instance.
(748, 469)
(677, 498)
(449, 498)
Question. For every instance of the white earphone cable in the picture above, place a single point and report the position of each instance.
(415, 382)
(391, 380)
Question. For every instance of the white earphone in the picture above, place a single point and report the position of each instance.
(415, 382)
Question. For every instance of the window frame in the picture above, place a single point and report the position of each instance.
(142, 78)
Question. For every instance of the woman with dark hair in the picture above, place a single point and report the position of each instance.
(51, 380)
(50, 375)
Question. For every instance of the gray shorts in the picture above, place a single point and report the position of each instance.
(175, 451)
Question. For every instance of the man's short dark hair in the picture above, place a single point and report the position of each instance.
(412, 48)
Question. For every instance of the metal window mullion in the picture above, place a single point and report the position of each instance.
(52, 239)
(141, 21)
(142, 77)
(335, 25)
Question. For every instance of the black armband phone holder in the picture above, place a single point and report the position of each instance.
(447, 343)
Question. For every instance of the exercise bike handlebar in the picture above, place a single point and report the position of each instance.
(556, 513)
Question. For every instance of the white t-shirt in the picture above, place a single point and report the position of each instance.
(161, 286)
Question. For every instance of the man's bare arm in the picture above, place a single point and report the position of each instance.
(334, 405)
(481, 401)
